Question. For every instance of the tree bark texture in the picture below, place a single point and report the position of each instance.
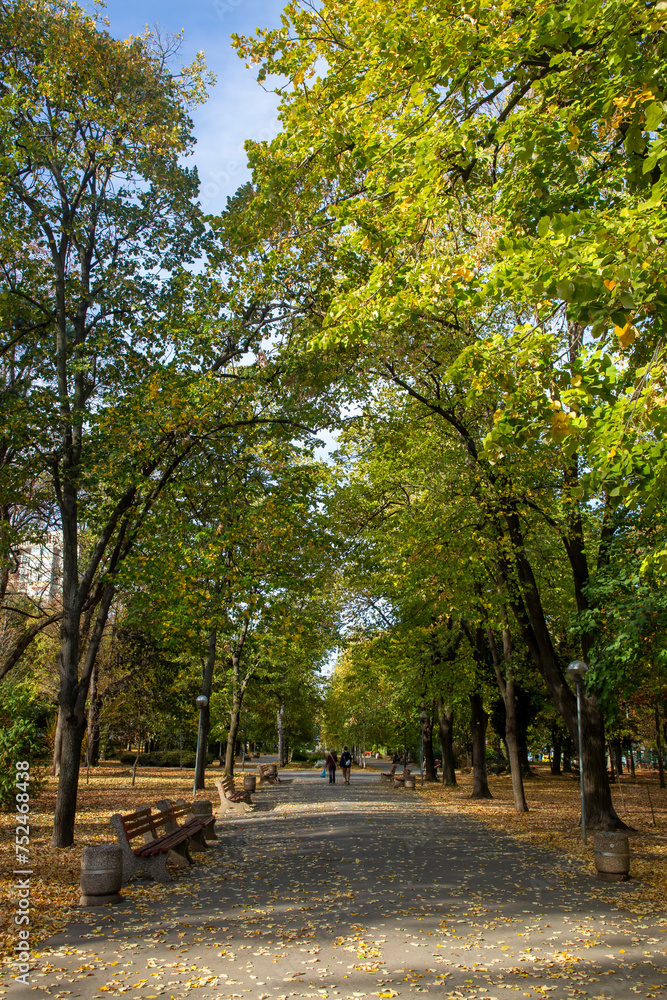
(478, 723)
(57, 743)
(205, 727)
(446, 728)
(530, 616)
(617, 751)
(280, 729)
(238, 685)
(505, 681)
(92, 712)
(427, 743)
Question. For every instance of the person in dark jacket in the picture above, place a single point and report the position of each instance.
(330, 765)
(346, 764)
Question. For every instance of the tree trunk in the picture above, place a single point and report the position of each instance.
(73, 730)
(234, 720)
(556, 755)
(427, 743)
(506, 686)
(513, 747)
(280, 715)
(57, 743)
(661, 765)
(616, 749)
(478, 723)
(73, 696)
(600, 813)
(446, 727)
(92, 707)
(631, 758)
(567, 754)
(529, 613)
(238, 690)
(205, 713)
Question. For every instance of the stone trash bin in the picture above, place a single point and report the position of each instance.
(612, 856)
(101, 874)
(249, 782)
(204, 807)
(410, 784)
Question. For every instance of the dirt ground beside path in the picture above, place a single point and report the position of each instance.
(359, 892)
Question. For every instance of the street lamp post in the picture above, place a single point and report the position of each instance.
(577, 670)
(423, 718)
(201, 702)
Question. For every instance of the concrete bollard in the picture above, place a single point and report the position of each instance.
(612, 856)
(204, 807)
(101, 874)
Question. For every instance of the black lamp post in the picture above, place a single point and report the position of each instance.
(577, 670)
(201, 702)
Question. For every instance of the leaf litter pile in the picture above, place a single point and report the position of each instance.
(359, 892)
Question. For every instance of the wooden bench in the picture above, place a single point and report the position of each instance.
(399, 779)
(230, 799)
(194, 826)
(268, 774)
(388, 775)
(151, 856)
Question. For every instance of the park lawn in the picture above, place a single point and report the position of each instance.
(551, 822)
(553, 819)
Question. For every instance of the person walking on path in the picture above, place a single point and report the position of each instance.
(346, 764)
(332, 760)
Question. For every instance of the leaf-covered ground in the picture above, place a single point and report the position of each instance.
(367, 873)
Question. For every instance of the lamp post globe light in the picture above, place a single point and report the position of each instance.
(201, 702)
(577, 671)
(423, 718)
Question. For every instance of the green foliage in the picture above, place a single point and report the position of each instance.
(162, 758)
(20, 738)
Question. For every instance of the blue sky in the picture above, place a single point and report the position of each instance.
(238, 107)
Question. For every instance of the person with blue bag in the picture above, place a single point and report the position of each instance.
(330, 765)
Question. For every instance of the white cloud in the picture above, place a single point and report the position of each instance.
(238, 108)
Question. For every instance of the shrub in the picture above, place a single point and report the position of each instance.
(19, 738)
(163, 758)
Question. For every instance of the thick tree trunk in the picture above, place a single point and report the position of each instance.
(427, 744)
(73, 695)
(73, 730)
(205, 727)
(600, 812)
(446, 728)
(478, 723)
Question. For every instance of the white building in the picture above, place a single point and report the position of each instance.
(40, 569)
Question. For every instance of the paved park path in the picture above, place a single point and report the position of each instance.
(358, 892)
